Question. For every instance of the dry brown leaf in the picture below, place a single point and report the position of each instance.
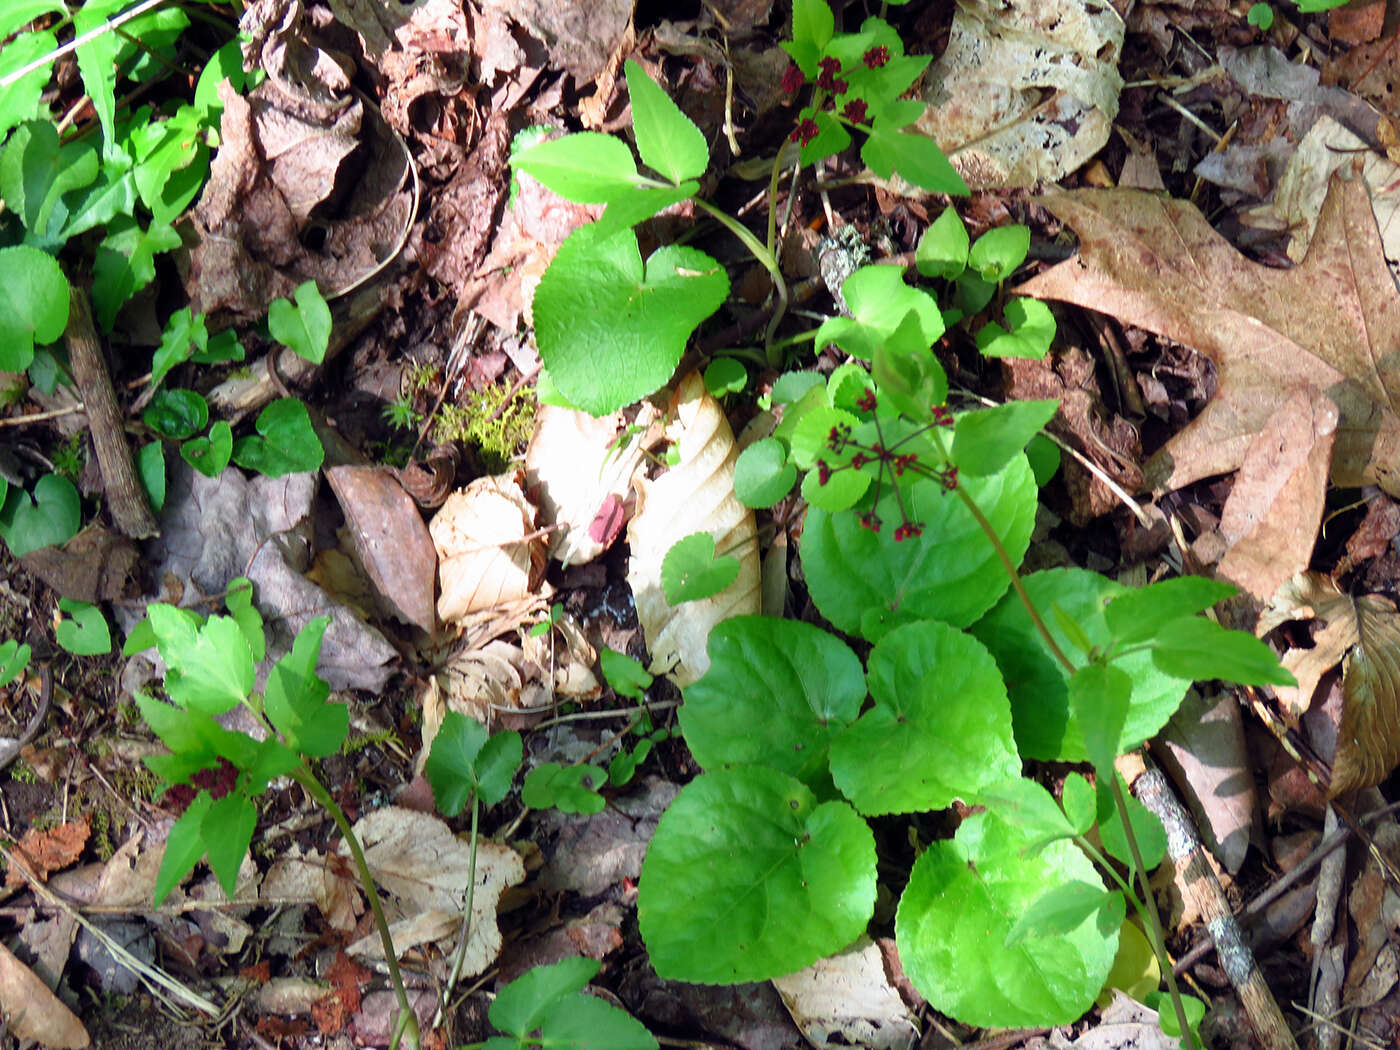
(489, 551)
(48, 850)
(847, 1000)
(1271, 517)
(422, 867)
(1026, 90)
(390, 538)
(1364, 635)
(32, 1012)
(696, 495)
(1329, 324)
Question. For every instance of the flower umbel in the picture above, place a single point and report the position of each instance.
(855, 111)
(793, 80)
(805, 132)
(876, 57)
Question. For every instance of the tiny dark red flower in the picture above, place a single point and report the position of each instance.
(827, 80)
(859, 460)
(876, 57)
(840, 87)
(941, 416)
(866, 401)
(855, 111)
(949, 479)
(823, 472)
(793, 79)
(909, 530)
(805, 132)
(904, 462)
(870, 520)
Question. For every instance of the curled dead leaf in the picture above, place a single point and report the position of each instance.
(1363, 634)
(696, 495)
(489, 551)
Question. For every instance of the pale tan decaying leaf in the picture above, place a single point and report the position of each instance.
(696, 495)
(32, 1012)
(576, 465)
(1329, 324)
(848, 996)
(1363, 634)
(488, 683)
(1026, 90)
(390, 539)
(422, 868)
(490, 553)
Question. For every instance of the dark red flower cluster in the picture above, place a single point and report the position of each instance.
(823, 472)
(839, 437)
(909, 530)
(876, 57)
(903, 462)
(866, 401)
(218, 781)
(855, 111)
(793, 79)
(827, 80)
(805, 132)
(870, 520)
(942, 416)
(948, 479)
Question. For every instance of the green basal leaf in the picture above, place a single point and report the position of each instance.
(668, 140)
(626, 676)
(520, 1007)
(909, 376)
(295, 697)
(586, 167)
(150, 467)
(762, 474)
(239, 602)
(1031, 333)
(960, 906)
(304, 327)
(1147, 828)
(996, 254)
(33, 304)
(227, 831)
(866, 583)
(14, 658)
(691, 572)
(793, 386)
(776, 693)
(36, 171)
(183, 847)
(210, 455)
(1194, 1009)
(611, 330)
(50, 518)
(287, 442)
(842, 491)
(942, 250)
(176, 414)
(1136, 615)
(940, 728)
(569, 789)
(86, 633)
(725, 375)
(749, 877)
(184, 335)
(1200, 649)
(879, 299)
(1038, 685)
(1062, 909)
(1099, 696)
(915, 157)
(985, 440)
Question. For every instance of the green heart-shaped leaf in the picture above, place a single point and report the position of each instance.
(691, 572)
(33, 304)
(304, 327)
(86, 633)
(50, 519)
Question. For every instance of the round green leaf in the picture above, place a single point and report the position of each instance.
(866, 582)
(691, 572)
(762, 474)
(49, 519)
(150, 466)
(940, 728)
(984, 440)
(942, 250)
(210, 455)
(626, 676)
(586, 1022)
(1036, 682)
(776, 693)
(878, 299)
(725, 375)
(611, 330)
(520, 1006)
(964, 897)
(304, 327)
(569, 789)
(287, 443)
(998, 252)
(748, 877)
(463, 759)
(86, 633)
(14, 658)
(33, 304)
(1032, 330)
(176, 414)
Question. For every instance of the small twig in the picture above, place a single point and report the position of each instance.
(10, 749)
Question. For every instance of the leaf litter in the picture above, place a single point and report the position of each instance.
(1300, 406)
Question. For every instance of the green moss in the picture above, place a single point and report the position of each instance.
(359, 741)
(495, 420)
(69, 456)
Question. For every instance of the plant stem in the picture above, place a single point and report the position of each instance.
(769, 261)
(407, 1023)
(461, 956)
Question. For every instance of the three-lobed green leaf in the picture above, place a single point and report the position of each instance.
(690, 571)
(464, 760)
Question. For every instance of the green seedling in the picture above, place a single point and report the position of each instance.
(150, 468)
(1261, 16)
(83, 631)
(210, 454)
(626, 676)
(569, 789)
(762, 474)
(302, 323)
(48, 518)
(213, 775)
(551, 619)
(546, 1008)
(14, 658)
(691, 571)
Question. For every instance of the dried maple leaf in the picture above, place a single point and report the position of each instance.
(1330, 324)
(1363, 634)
